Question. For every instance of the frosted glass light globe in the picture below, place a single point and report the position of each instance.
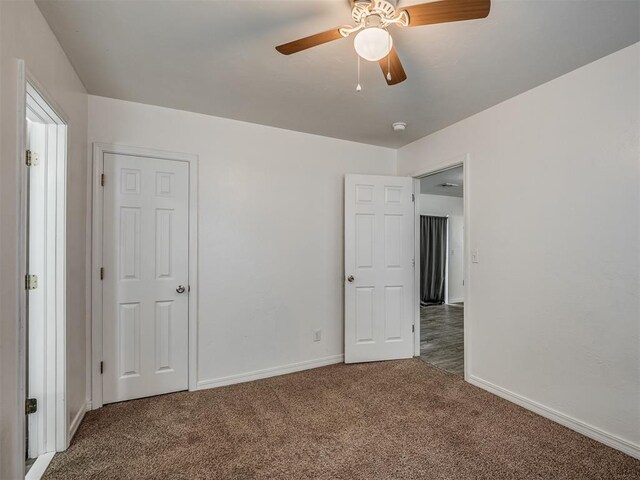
(373, 43)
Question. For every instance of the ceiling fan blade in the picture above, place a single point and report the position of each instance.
(308, 42)
(394, 66)
(447, 11)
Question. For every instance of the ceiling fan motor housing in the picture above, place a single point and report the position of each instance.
(363, 9)
(368, 2)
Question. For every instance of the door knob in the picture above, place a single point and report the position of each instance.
(350, 278)
(180, 289)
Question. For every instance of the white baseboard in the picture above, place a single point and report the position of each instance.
(569, 422)
(39, 466)
(77, 420)
(456, 300)
(269, 372)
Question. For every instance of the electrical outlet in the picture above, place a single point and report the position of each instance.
(317, 335)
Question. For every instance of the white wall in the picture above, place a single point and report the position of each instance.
(24, 34)
(554, 190)
(453, 207)
(270, 231)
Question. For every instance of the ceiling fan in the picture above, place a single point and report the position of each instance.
(372, 18)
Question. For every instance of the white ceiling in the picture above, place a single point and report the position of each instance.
(218, 58)
(432, 184)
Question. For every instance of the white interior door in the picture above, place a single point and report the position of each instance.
(146, 272)
(36, 298)
(45, 260)
(378, 268)
(42, 141)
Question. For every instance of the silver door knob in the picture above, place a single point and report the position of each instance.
(350, 278)
(180, 289)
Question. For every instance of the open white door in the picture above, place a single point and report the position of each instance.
(378, 268)
(46, 136)
(146, 275)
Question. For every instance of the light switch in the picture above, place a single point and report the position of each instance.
(475, 256)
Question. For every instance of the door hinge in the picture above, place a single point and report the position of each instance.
(31, 158)
(102, 180)
(413, 262)
(31, 282)
(30, 406)
(413, 328)
(413, 197)
(101, 368)
(101, 273)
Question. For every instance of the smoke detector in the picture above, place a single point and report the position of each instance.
(399, 126)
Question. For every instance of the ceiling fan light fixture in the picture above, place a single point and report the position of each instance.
(373, 43)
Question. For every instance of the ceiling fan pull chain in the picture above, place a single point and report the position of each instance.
(358, 87)
(389, 59)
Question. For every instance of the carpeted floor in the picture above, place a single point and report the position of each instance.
(389, 420)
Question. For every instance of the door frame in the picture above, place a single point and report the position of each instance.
(53, 406)
(460, 160)
(99, 150)
(52, 424)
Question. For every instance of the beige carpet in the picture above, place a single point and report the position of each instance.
(390, 420)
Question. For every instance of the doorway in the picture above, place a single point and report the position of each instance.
(45, 223)
(440, 236)
(144, 284)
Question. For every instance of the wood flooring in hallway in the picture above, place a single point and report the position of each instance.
(442, 337)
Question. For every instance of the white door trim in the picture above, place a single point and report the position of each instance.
(99, 150)
(445, 165)
(20, 91)
(54, 406)
(51, 421)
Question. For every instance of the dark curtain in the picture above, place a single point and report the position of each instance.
(433, 259)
